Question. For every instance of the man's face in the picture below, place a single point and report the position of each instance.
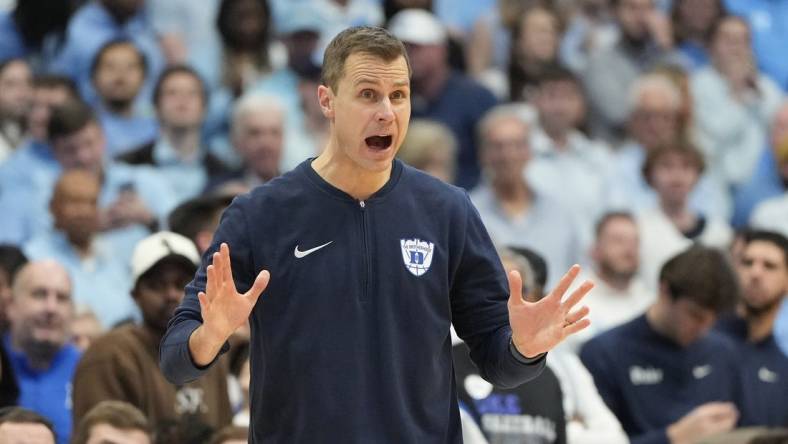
(15, 90)
(25, 433)
(370, 112)
(119, 75)
(560, 104)
(42, 309)
(764, 276)
(159, 291)
(505, 150)
(248, 18)
(633, 17)
(654, 122)
(75, 207)
(44, 99)
(539, 35)
(83, 149)
(425, 60)
(689, 321)
(617, 248)
(105, 433)
(698, 15)
(673, 177)
(181, 103)
(259, 139)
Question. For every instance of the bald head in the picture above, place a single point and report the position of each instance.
(74, 206)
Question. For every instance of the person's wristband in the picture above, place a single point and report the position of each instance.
(519, 356)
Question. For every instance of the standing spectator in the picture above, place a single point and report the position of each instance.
(665, 376)
(534, 49)
(514, 213)
(438, 92)
(693, 21)
(733, 103)
(180, 98)
(34, 30)
(672, 225)
(123, 365)
(99, 274)
(763, 272)
(16, 422)
(643, 42)
(15, 96)
(98, 22)
(118, 74)
(38, 344)
(110, 422)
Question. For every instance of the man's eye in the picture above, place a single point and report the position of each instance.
(398, 95)
(368, 94)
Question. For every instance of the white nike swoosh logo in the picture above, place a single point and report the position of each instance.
(300, 254)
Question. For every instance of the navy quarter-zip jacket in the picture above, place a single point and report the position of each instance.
(350, 341)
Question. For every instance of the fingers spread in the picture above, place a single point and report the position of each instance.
(259, 285)
(227, 274)
(565, 282)
(203, 300)
(576, 327)
(578, 294)
(515, 288)
(575, 316)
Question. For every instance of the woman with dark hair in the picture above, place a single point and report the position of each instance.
(534, 48)
(33, 30)
(245, 29)
(692, 24)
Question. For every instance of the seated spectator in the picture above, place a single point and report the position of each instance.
(11, 260)
(180, 98)
(15, 97)
(231, 435)
(566, 163)
(514, 213)
(118, 74)
(85, 328)
(534, 48)
(531, 412)
(123, 364)
(93, 25)
(692, 22)
(197, 218)
(440, 93)
(644, 41)
(733, 103)
(665, 376)
(590, 28)
(671, 226)
(257, 134)
(112, 422)
(588, 420)
(38, 343)
(771, 173)
(430, 146)
(766, 19)
(99, 275)
(16, 422)
(619, 294)
(763, 273)
(33, 30)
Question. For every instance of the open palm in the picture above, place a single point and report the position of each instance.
(539, 326)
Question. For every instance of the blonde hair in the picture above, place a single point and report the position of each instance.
(424, 138)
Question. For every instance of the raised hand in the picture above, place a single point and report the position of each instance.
(223, 309)
(539, 326)
(705, 420)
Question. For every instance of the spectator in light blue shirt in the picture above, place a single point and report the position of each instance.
(101, 21)
(100, 275)
(38, 345)
(118, 74)
(768, 21)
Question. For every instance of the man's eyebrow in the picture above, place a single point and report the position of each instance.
(372, 80)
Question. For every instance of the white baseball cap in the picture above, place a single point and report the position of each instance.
(417, 26)
(151, 250)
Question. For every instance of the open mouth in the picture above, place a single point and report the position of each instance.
(379, 143)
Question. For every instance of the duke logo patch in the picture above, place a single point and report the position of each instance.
(417, 255)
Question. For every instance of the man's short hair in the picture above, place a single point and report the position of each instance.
(118, 414)
(178, 69)
(683, 148)
(52, 81)
(610, 216)
(70, 118)
(11, 260)
(702, 275)
(557, 73)
(772, 237)
(359, 39)
(107, 47)
(498, 113)
(19, 415)
(198, 214)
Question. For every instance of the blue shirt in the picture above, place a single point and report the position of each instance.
(89, 29)
(764, 183)
(781, 327)
(124, 134)
(768, 21)
(350, 341)
(460, 106)
(764, 376)
(11, 44)
(47, 392)
(649, 382)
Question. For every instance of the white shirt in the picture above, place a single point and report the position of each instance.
(772, 214)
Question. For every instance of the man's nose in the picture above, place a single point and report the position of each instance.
(386, 111)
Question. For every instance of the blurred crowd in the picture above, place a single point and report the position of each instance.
(646, 140)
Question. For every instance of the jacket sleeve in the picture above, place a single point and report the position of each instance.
(479, 294)
(174, 357)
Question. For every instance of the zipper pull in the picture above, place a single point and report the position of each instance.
(362, 204)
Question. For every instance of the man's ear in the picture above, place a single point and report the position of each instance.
(325, 97)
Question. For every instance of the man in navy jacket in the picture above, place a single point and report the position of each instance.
(365, 264)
